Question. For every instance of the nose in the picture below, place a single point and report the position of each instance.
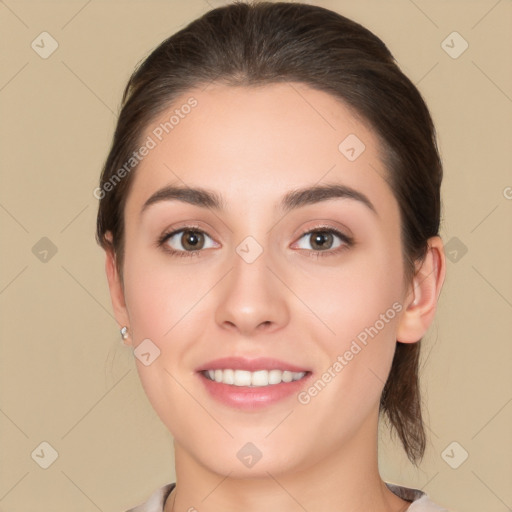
(252, 298)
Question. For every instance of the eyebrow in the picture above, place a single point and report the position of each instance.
(294, 199)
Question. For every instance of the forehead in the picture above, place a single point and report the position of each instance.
(249, 143)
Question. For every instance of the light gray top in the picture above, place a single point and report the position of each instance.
(420, 502)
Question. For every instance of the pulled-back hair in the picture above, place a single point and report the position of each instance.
(264, 43)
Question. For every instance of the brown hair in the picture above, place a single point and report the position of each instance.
(262, 43)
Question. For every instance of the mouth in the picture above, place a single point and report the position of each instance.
(259, 378)
(252, 384)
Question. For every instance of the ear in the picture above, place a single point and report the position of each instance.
(421, 301)
(116, 290)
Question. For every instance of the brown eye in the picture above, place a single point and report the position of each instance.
(192, 240)
(321, 240)
(187, 241)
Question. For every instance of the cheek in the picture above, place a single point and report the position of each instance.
(161, 294)
(164, 304)
(361, 305)
(352, 296)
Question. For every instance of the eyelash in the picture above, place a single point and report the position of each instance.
(347, 242)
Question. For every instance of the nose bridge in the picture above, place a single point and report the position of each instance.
(251, 275)
(252, 296)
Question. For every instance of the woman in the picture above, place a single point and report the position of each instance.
(270, 212)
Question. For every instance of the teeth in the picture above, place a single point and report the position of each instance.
(258, 378)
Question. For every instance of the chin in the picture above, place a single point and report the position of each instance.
(259, 470)
(245, 460)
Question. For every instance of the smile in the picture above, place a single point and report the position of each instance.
(259, 378)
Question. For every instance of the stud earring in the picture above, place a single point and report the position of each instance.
(124, 332)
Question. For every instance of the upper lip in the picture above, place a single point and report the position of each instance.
(252, 365)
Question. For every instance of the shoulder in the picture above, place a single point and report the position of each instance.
(420, 502)
(156, 502)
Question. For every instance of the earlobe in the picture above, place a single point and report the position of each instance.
(421, 302)
(116, 291)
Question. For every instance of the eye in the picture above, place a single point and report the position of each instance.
(324, 240)
(186, 240)
(189, 241)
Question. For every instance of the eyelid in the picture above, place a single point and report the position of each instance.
(327, 225)
(189, 225)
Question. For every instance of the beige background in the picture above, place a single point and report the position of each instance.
(64, 377)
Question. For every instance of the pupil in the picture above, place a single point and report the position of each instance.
(320, 238)
(191, 239)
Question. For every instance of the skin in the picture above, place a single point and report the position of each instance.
(253, 145)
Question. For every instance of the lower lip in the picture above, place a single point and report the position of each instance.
(251, 398)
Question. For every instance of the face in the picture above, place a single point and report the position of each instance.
(260, 288)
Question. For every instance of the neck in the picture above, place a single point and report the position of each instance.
(347, 479)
